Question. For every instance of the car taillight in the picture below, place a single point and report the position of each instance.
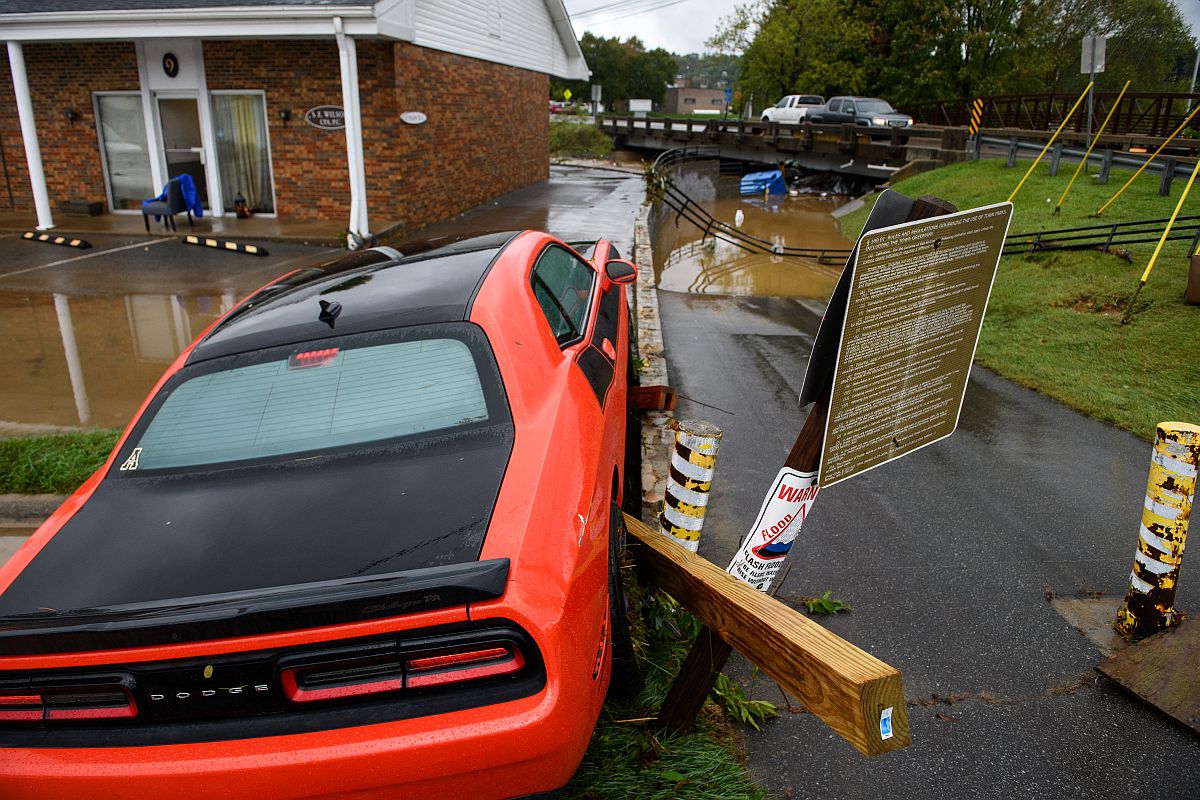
(68, 703)
(349, 678)
(463, 665)
(383, 667)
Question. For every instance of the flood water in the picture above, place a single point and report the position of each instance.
(89, 360)
(683, 262)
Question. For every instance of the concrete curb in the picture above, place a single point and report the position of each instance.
(657, 439)
(28, 510)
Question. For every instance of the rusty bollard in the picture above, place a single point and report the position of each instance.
(689, 481)
(1168, 507)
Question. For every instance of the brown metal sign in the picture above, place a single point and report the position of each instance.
(917, 298)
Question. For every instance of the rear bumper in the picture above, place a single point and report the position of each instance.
(522, 747)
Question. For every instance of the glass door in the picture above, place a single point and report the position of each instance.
(179, 121)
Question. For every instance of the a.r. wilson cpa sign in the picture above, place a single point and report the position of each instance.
(327, 118)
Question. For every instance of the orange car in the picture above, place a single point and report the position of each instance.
(360, 541)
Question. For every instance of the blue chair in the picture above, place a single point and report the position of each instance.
(167, 208)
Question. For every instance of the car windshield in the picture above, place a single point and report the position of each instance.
(875, 107)
(311, 397)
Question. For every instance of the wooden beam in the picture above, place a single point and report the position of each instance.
(847, 688)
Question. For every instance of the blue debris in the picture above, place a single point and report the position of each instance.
(770, 182)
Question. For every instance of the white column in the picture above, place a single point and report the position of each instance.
(348, 59)
(74, 367)
(33, 154)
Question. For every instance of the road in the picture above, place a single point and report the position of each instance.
(946, 558)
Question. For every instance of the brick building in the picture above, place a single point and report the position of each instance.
(398, 112)
(685, 99)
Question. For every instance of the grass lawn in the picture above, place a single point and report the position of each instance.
(54, 464)
(1053, 322)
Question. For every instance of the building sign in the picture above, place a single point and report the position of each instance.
(916, 301)
(327, 118)
(413, 117)
(170, 65)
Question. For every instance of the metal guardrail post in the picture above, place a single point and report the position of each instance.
(978, 146)
(1168, 174)
(1170, 492)
(1106, 165)
(689, 481)
(1012, 151)
(1055, 157)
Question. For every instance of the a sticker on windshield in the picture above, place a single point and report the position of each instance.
(131, 463)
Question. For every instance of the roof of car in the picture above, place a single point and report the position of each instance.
(369, 290)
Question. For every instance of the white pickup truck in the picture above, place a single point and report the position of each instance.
(792, 108)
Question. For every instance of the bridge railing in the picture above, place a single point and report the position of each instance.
(1146, 113)
(712, 128)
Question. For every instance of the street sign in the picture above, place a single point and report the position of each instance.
(597, 90)
(1092, 60)
(917, 296)
(728, 95)
(566, 94)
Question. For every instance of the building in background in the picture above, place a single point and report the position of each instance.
(683, 98)
(386, 115)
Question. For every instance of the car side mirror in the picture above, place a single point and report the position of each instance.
(621, 271)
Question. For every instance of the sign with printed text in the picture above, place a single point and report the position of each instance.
(770, 539)
(327, 118)
(916, 302)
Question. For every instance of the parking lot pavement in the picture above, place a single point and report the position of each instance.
(143, 265)
(945, 557)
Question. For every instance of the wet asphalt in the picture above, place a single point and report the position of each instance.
(946, 557)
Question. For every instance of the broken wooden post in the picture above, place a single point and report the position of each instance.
(857, 695)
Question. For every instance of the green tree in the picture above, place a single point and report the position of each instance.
(626, 69)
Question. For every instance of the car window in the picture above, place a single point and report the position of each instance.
(811, 100)
(875, 107)
(783, 103)
(304, 398)
(847, 107)
(562, 284)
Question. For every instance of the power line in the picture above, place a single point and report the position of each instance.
(628, 4)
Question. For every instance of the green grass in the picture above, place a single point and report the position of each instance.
(1053, 322)
(627, 757)
(579, 139)
(55, 464)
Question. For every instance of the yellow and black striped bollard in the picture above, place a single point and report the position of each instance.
(1149, 603)
(49, 238)
(225, 244)
(689, 481)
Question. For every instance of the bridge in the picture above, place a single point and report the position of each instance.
(847, 149)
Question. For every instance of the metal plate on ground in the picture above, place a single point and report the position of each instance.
(917, 298)
(1162, 671)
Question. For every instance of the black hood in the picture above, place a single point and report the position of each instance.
(408, 506)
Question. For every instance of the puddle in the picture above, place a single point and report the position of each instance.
(683, 263)
(89, 361)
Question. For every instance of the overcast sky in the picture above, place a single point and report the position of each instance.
(681, 26)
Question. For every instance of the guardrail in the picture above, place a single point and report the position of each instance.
(1153, 114)
(1168, 168)
(807, 131)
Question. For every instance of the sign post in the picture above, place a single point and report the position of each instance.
(1091, 62)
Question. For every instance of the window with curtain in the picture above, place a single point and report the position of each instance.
(240, 124)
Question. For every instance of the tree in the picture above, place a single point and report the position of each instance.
(624, 68)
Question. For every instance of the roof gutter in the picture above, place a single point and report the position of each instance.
(235, 22)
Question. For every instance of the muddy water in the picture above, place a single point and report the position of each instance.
(684, 263)
(89, 361)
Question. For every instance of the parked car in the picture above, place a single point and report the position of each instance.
(793, 108)
(361, 540)
(871, 112)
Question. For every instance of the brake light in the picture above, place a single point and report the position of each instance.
(466, 665)
(349, 678)
(87, 703)
(312, 358)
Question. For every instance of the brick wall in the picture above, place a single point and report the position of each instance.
(62, 76)
(487, 130)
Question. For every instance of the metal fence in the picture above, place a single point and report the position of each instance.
(1141, 113)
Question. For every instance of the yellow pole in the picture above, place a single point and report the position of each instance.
(1091, 146)
(1167, 141)
(1032, 166)
(1161, 240)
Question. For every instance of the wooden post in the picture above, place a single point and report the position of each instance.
(710, 652)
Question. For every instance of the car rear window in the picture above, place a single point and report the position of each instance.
(298, 400)
(811, 99)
